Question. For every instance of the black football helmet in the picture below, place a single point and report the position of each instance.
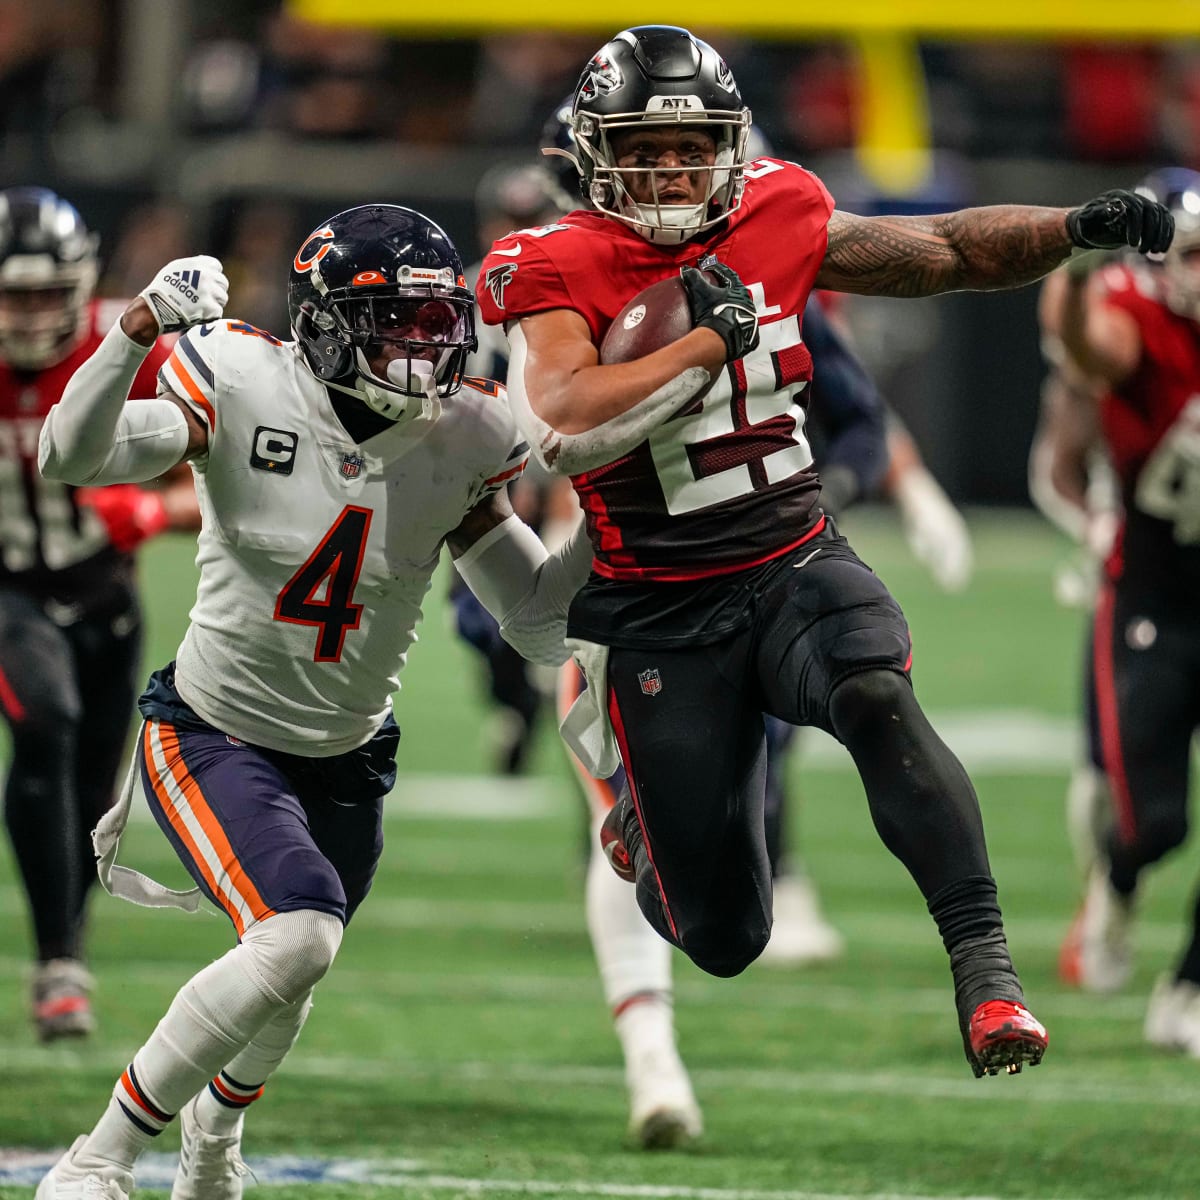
(383, 284)
(48, 272)
(1179, 189)
(659, 74)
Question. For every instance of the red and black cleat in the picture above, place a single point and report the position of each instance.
(1005, 1035)
(612, 842)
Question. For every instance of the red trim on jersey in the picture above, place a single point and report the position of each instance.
(8, 698)
(683, 575)
(1109, 712)
(614, 716)
(601, 528)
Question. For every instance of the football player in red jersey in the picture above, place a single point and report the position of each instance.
(719, 589)
(1139, 332)
(70, 624)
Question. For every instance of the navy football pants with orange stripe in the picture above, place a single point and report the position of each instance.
(260, 831)
(66, 692)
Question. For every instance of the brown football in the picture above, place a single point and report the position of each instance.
(657, 316)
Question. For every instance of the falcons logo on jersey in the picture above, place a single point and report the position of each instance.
(496, 280)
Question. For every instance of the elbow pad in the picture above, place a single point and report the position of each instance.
(526, 590)
(574, 453)
(93, 436)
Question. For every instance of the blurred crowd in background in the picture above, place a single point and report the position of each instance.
(231, 127)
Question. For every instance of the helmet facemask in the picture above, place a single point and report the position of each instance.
(422, 331)
(43, 307)
(611, 188)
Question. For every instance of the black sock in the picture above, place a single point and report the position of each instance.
(968, 918)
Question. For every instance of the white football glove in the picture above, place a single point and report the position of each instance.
(935, 529)
(187, 292)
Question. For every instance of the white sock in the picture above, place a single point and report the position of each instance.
(221, 1106)
(632, 958)
(646, 1026)
(212, 1017)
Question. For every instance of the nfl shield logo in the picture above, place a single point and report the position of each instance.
(651, 681)
(352, 465)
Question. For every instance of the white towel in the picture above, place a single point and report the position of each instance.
(586, 728)
(122, 881)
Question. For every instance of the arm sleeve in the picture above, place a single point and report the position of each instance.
(94, 435)
(574, 453)
(851, 409)
(524, 588)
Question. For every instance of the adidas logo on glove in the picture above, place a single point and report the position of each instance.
(186, 282)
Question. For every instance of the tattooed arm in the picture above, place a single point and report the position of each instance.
(974, 249)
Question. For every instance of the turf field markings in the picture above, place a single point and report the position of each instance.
(25, 1168)
(1066, 1086)
(765, 989)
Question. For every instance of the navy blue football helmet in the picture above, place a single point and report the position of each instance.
(48, 273)
(659, 75)
(383, 284)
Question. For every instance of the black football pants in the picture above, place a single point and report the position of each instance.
(67, 695)
(828, 647)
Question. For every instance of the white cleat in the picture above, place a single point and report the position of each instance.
(210, 1166)
(61, 1004)
(663, 1113)
(66, 1181)
(800, 933)
(1097, 954)
(1173, 1016)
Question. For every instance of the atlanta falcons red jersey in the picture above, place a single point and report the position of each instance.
(730, 482)
(48, 542)
(1151, 425)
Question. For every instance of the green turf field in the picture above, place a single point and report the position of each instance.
(460, 1046)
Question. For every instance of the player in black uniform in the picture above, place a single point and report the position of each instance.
(1138, 334)
(70, 623)
(719, 590)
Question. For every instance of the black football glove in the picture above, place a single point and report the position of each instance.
(724, 307)
(1121, 218)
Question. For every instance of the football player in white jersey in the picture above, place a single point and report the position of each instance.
(330, 469)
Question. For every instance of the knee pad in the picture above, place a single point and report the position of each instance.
(291, 951)
(866, 696)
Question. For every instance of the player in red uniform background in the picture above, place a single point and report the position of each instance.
(720, 590)
(1138, 331)
(70, 623)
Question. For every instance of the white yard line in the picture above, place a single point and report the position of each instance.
(1037, 1087)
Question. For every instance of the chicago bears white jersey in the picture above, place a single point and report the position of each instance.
(316, 552)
